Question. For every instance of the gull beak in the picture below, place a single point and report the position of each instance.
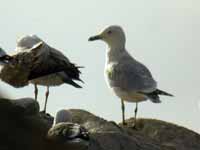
(96, 37)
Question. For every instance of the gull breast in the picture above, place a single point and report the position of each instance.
(49, 80)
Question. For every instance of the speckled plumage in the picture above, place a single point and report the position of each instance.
(68, 132)
(49, 60)
(18, 69)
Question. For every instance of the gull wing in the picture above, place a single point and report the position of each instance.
(131, 75)
(50, 61)
(16, 71)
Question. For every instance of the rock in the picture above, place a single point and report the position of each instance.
(92, 122)
(150, 135)
(47, 119)
(168, 134)
(23, 127)
(23, 106)
(30, 106)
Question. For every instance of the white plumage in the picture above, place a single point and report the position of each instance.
(63, 115)
(129, 79)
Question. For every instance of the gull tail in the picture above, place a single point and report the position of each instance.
(73, 72)
(154, 96)
(71, 82)
(160, 92)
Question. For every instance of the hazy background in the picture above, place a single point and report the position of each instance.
(164, 35)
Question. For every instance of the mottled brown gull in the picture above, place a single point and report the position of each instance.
(49, 58)
(17, 69)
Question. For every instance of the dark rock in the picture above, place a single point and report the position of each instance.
(47, 119)
(92, 122)
(24, 106)
(150, 134)
(168, 134)
(30, 106)
(23, 127)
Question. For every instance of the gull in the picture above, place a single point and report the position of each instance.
(130, 80)
(63, 115)
(17, 69)
(48, 58)
(70, 135)
(67, 133)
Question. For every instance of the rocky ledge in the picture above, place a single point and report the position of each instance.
(23, 127)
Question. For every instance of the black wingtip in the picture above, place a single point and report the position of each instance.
(80, 80)
(80, 66)
(78, 86)
(160, 92)
(74, 84)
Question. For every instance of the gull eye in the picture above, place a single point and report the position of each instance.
(109, 32)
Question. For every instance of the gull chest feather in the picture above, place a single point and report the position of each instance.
(49, 80)
(109, 72)
(129, 96)
(112, 80)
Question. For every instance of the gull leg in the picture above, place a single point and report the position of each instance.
(46, 98)
(135, 119)
(123, 112)
(36, 91)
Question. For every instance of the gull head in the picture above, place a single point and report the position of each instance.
(27, 42)
(113, 35)
(63, 115)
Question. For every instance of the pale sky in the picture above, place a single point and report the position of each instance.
(164, 35)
